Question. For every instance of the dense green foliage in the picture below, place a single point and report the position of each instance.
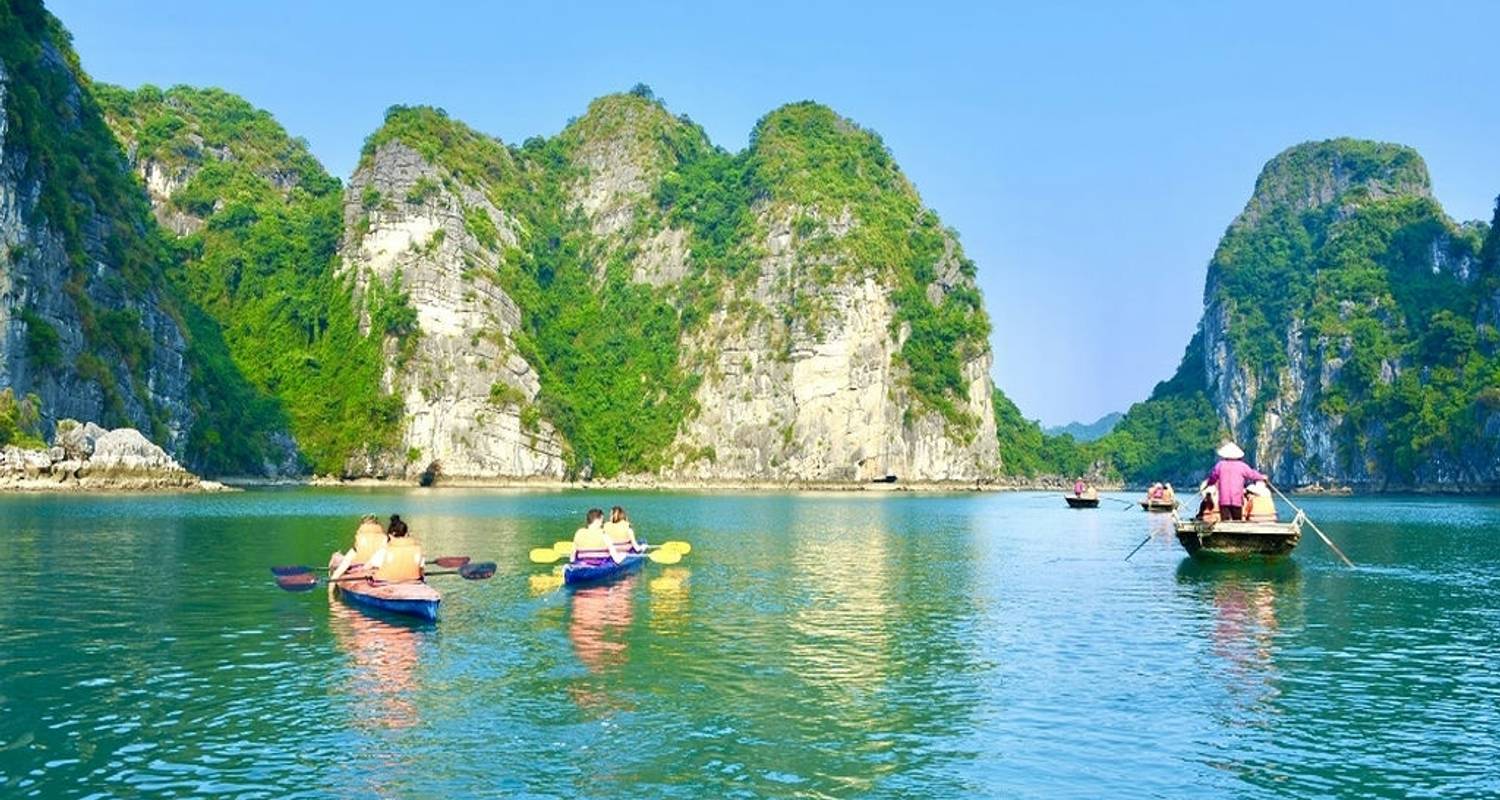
(20, 420)
(1025, 451)
(262, 268)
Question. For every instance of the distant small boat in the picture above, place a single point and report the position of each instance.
(886, 479)
(1160, 505)
(1075, 501)
(1231, 539)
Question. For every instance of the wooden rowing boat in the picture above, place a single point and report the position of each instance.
(407, 598)
(1231, 539)
(1081, 502)
(1160, 505)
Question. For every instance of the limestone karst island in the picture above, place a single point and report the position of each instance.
(491, 401)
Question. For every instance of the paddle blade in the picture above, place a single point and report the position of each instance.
(290, 569)
(563, 549)
(297, 582)
(477, 572)
(544, 555)
(451, 562)
(665, 556)
(681, 548)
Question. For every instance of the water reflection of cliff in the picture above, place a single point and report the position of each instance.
(1250, 604)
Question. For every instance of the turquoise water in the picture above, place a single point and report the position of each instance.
(881, 645)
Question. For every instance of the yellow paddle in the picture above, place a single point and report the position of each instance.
(664, 553)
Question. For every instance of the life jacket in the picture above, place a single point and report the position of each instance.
(590, 542)
(620, 533)
(1259, 508)
(401, 561)
(367, 541)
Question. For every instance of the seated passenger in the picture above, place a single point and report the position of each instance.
(401, 558)
(1208, 510)
(590, 543)
(1259, 507)
(1168, 494)
(368, 539)
(619, 531)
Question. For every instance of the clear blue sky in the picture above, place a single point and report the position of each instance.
(1090, 154)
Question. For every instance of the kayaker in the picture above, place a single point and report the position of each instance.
(619, 531)
(401, 558)
(1208, 510)
(1259, 507)
(590, 542)
(368, 539)
(1230, 475)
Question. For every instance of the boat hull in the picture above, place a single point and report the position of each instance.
(1239, 540)
(591, 572)
(1081, 502)
(1158, 507)
(408, 599)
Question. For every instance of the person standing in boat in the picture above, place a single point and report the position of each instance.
(619, 531)
(590, 542)
(1230, 475)
(401, 558)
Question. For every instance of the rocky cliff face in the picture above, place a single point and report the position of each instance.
(626, 298)
(1344, 327)
(420, 236)
(86, 322)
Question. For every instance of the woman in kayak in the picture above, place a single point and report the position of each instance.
(590, 542)
(401, 558)
(619, 531)
(1230, 475)
(368, 539)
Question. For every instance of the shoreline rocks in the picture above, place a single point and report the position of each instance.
(86, 457)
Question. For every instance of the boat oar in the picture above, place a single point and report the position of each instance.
(305, 580)
(1316, 529)
(446, 562)
(1128, 505)
(664, 553)
(1138, 547)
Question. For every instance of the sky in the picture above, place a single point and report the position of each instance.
(1089, 154)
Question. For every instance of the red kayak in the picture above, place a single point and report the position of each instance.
(408, 598)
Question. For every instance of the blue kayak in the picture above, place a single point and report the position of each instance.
(599, 570)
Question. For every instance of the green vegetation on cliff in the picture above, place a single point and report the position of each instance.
(260, 264)
(1342, 244)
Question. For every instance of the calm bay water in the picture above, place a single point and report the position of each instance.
(811, 645)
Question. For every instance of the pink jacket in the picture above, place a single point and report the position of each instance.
(1231, 475)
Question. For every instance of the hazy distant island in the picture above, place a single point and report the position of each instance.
(627, 301)
(1087, 431)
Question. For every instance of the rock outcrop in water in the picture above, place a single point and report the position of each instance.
(1349, 334)
(86, 456)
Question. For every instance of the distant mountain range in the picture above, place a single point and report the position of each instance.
(1086, 431)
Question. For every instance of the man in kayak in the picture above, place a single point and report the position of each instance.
(619, 531)
(1230, 475)
(401, 558)
(590, 542)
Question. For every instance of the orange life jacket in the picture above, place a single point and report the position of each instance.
(402, 561)
(367, 541)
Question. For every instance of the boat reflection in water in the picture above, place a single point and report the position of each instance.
(384, 657)
(1251, 602)
(599, 628)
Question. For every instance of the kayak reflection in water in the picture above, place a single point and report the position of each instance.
(598, 628)
(384, 658)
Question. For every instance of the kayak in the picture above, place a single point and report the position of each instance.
(408, 598)
(598, 570)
